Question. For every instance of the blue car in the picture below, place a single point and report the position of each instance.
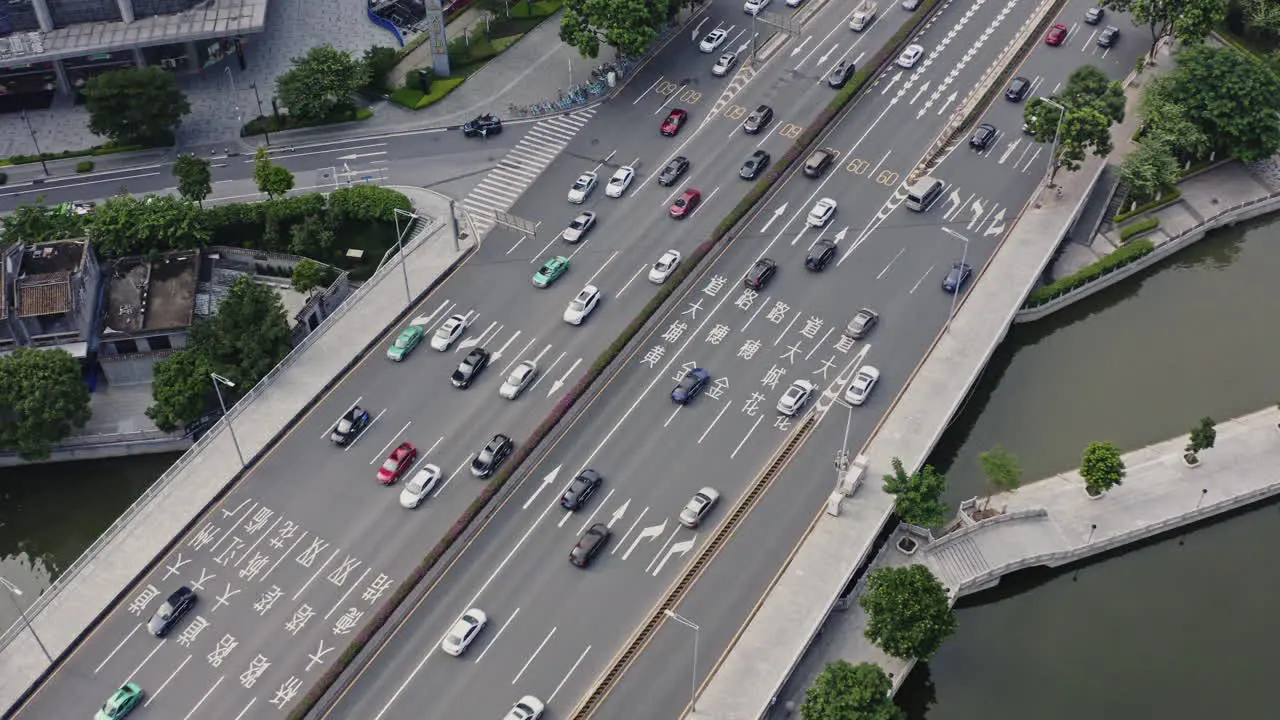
(690, 385)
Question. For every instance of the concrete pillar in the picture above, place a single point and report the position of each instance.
(126, 10)
(43, 16)
(193, 56)
(138, 58)
(61, 72)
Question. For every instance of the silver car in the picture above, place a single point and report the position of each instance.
(796, 397)
(698, 507)
(519, 379)
(420, 486)
(464, 632)
(862, 323)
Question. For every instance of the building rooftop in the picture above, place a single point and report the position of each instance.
(145, 296)
(44, 282)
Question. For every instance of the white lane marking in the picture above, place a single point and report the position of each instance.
(80, 184)
(713, 423)
(548, 370)
(787, 329)
(922, 277)
(679, 91)
(246, 707)
(672, 416)
(891, 262)
(662, 550)
(154, 650)
(433, 446)
(452, 475)
(704, 203)
(317, 574)
(365, 431)
(734, 454)
(547, 247)
(328, 431)
(633, 279)
(513, 247)
(634, 523)
(754, 314)
(163, 685)
(591, 518)
(501, 630)
(502, 350)
(592, 279)
(819, 344)
(651, 87)
(343, 599)
(205, 697)
(382, 453)
(568, 675)
(507, 370)
(541, 645)
(117, 648)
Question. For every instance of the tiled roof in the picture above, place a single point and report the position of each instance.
(44, 294)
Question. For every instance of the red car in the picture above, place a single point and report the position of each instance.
(400, 460)
(684, 205)
(674, 122)
(1057, 34)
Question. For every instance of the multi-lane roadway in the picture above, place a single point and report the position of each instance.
(308, 544)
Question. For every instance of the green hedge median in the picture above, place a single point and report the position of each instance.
(1129, 253)
(1165, 199)
(1146, 224)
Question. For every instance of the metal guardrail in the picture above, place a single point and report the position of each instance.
(161, 485)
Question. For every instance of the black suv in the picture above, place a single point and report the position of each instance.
(491, 456)
(982, 136)
(760, 274)
(470, 368)
(1018, 88)
(758, 119)
(483, 126)
(678, 166)
(754, 165)
(820, 255)
(171, 611)
(590, 545)
(1108, 37)
(840, 74)
(581, 490)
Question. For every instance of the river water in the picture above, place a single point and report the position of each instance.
(1176, 628)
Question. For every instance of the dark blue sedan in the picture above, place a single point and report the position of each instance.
(690, 385)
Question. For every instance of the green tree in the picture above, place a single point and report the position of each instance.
(321, 83)
(37, 223)
(181, 389)
(1231, 97)
(1189, 21)
(313, 237)
(42, 400)
(274, 180)
(195, 179)
(248, 336)
(309, 275)
(1083, 129)
(127, 225)
(628, 26)
(1088, 85)
(908, 612)
(919, 495)
(135, 105)
(1166, 122)
(1261, 17)
(1150, 168)
(1203, 437)
(1002, 470)
(361, 203)
(380, 61)
(1101, 467)
(843, 691)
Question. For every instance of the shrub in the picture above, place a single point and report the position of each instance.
(416, 99)
(1146, 224)
(1085, 275)
(84, 166)
(1165, 199)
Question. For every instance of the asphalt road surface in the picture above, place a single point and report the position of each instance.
(308, 544)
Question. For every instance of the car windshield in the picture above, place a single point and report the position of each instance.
(417, 483)
(517, 375)
(402, 341)
(681, 202)
(577, 224)
(447, 329)
(390, 464)
(577, 305)
(165, 611)
(547, 269)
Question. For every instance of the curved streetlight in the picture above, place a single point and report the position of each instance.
(693, 674)
(218, 380)
(14, 594)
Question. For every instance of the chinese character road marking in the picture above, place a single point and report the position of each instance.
(144, 599)
(717, 334)
(339, 575)
(745, 299)
(224, 557)
(717, 389)
(844, 344)
(308, 556)
(347, 621)
(379, 585)
(299, 620)
(674, 332)
(692, 310)
(827, 364)
(175, 567)
(772, 377)
(714, 285)
(223, 598)
(204, 536)
(259, 520)
(749, 349)
(256, 563)
(225, 646)
(790, 354)
(778, 312)
(752, 404)
(192, 631)
(286, 532)
(685, 368)
(654, 356)
(268, 600)
(812, 326)
(257, 666)
(205, 576)
(782, 422)
(317, 657)
(286, 692)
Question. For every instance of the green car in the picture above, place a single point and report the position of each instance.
(406, 342)
(550, 271)
(121, 703)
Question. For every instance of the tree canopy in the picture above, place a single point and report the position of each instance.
(1001, 468)
(182, 389)
(1150, 168)
(1203, 436)
(128, 225)
(135, 105)
(37, 223)
(919, 495)
(43, 399)
(843, 691)
(1166, 122)
(274, 180)
(628, 26)
(321, 83)
(1189, 21)
(195, 178)
(1230, 96)
(310, 275)
(1090, 104)
(1102, 467)
(908, 612)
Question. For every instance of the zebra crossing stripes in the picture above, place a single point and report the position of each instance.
(502, 186)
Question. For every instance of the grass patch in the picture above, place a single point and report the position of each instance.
(95, 151)
(536, 10)
(278, 123)
(415, 99)
(1146, 224)
(1165, 199)
(1129, 253)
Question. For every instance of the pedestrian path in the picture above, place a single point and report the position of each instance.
(502, 186)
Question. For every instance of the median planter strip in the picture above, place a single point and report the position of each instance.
(478, 507)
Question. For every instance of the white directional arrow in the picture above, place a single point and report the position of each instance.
(560, 383)
(997, 225)
(776, 214)
(617, 514)
(498, 353)
(649, 534)
(796, 50)
(473, 340)
(799, 235)
(953, 201)
(950, 99)
(1009, 150)
(549, 479)
(742, 48)
(976, 209)
(840, 235)
(897, 76)
(681, 548)
(823, 60)
(357, 156)
(697, 29)
(923, 88)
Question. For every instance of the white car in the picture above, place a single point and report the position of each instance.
(698, 507)
(666, 265)
(794, 3)
(464, 631)
(620, 181)
(419, 487)
(582, 305)
(582, 188)
(752, 7)
(796, 397)
(713, 40)
(863, 381)
(910, 56)
(448, 333)
(518, 380)
(822, 212)
(529, 708)
(726, 63)
(579, 227)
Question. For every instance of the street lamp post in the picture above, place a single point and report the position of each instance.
(400, 233)
(217, 381)
(964, 255)
(1053, 149)
(265, 133)
(14, 594)
(693, 674)
(35, 142)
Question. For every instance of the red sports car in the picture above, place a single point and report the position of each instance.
(1057, 34)
(684, 205)
(400, 460)
(674, 122)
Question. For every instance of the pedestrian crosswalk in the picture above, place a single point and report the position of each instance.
(503, 185)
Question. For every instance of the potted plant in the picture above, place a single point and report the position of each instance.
(1202, 437)
(918, 499)
(1003, 474)
(1102, 468)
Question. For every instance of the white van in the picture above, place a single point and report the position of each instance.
(923, 193)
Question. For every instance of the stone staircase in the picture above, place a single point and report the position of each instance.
(956, 562)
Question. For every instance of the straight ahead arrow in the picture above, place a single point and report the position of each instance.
(560, 383)
(551, 478)
(498, 353)
(776, 214)
(897, 76)
(840, 235)
(823, 60)
(921, 91)
(950, 99)
(617, 514)
(357, 156)
(796, 50)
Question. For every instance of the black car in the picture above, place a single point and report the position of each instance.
(1108, 37)
(820, 255)
(760, 274)
(758, 120)
(1017, 90)
(956, 277)
(678, 166)
(491, 456)
(581, 490)
(350, 425)
(171, 611)
(590, 545)
(840, 74)
(470, 368)
(1094, 15)
(483, 126)
(983, 136)
(754, 165)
